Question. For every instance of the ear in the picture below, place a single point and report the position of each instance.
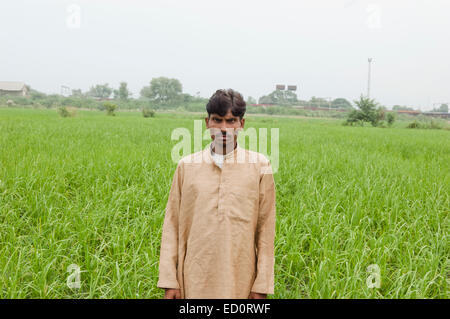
(207, 122)
(242, 122)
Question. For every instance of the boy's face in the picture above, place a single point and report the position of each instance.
(224, 129)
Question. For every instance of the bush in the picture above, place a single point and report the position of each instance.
(390, 118)
(424, 122)
(110, 108)
(65, 111)
(148, 112)
(414, 124)
(47, 103)
(368, 112)
(355, 117)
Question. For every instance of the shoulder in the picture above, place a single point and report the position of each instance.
(260, 157)
(196, 157)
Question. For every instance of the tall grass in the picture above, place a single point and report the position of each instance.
(91, 191)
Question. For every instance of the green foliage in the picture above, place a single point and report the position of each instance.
(279, 97)
(355, 117)
(414, 124)
(318, 102)
(110, 108)
(390, 118)
(424, 122)
(341, 103)
(77, 93)
(100, 91)
(368, 112)
(271, 110)
(148, 112)
(64, 111)
(443, 108)
(123, 91)
(35, 95)
(402, 108)
(163, 91)
(251, 100)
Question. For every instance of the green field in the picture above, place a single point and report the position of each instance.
(91, 190)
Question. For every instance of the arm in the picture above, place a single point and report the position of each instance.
(168, 261)
(265, 235)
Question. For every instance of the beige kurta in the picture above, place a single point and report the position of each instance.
(219, 227)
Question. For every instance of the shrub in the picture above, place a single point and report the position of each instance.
(355, 117)
(148, 112)
(390, 118)
(414, 124)
(368, 112)
(110, 108)
(65, 111)
(427, 123)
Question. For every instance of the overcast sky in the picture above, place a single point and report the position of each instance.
(321, 46)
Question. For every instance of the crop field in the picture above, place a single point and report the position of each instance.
(355, 205)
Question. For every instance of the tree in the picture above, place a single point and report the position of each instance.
(318, 102)
(186, 98)
(355, 116)
(265, 99)
(279, 97)
(251, 100)
(402, 108)
(443, 108)
(77, 93)
(367, 112)
(100, 91)
(390, 118)
(36, 95)
(123, 93)
(341, 103)
(163, 90)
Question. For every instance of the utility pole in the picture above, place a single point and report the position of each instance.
(368, 79)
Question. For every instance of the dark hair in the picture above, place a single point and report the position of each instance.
(223, 100)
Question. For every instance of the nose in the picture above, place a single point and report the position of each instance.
(223, 128)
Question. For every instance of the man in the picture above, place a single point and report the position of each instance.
(219, 226)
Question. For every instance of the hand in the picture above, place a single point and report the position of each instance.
(256, 295)
(171, 293)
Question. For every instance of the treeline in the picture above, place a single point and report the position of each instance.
(161, 93)
(289, 98)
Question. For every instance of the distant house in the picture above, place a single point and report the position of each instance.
(13, 88)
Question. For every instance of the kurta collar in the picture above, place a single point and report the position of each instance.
(231, 154)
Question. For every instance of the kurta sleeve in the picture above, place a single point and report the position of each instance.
(265, 234)
(168, 260)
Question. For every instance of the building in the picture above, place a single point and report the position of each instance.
(13, 88)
